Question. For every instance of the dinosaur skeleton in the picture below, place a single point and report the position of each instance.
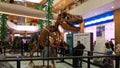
(64, 19)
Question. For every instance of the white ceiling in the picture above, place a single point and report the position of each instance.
(103, 9)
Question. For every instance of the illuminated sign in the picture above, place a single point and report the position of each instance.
(100, 19)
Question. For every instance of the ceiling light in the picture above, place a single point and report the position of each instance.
(95, 13)
(112, 6)
(35, 1)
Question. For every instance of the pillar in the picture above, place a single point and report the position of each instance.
(117, 25)
(82, 27)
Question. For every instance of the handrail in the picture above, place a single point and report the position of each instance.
(18, 59)
(86, 50)
(95, 64)
(55, 58)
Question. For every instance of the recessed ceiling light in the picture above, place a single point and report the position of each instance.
(112, 6)
(35, 1)
(95, 13)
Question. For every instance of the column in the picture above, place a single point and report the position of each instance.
(117, 26)
(82, 27)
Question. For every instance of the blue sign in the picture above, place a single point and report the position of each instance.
(100, 19)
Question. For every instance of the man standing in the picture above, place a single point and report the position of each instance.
(78, 51)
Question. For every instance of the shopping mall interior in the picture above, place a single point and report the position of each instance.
(59, 33)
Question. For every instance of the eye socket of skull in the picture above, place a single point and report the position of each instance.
(68, 17)
(63, 15)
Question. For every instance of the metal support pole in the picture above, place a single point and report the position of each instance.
(48, 45)
(18, 63)
(117, 62)
(22, 50)
(43, 60)
(4, 50)
(63, 55)
(48, 59)
(88, 64)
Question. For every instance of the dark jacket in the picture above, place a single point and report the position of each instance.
(62, 49)
(78, 50)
